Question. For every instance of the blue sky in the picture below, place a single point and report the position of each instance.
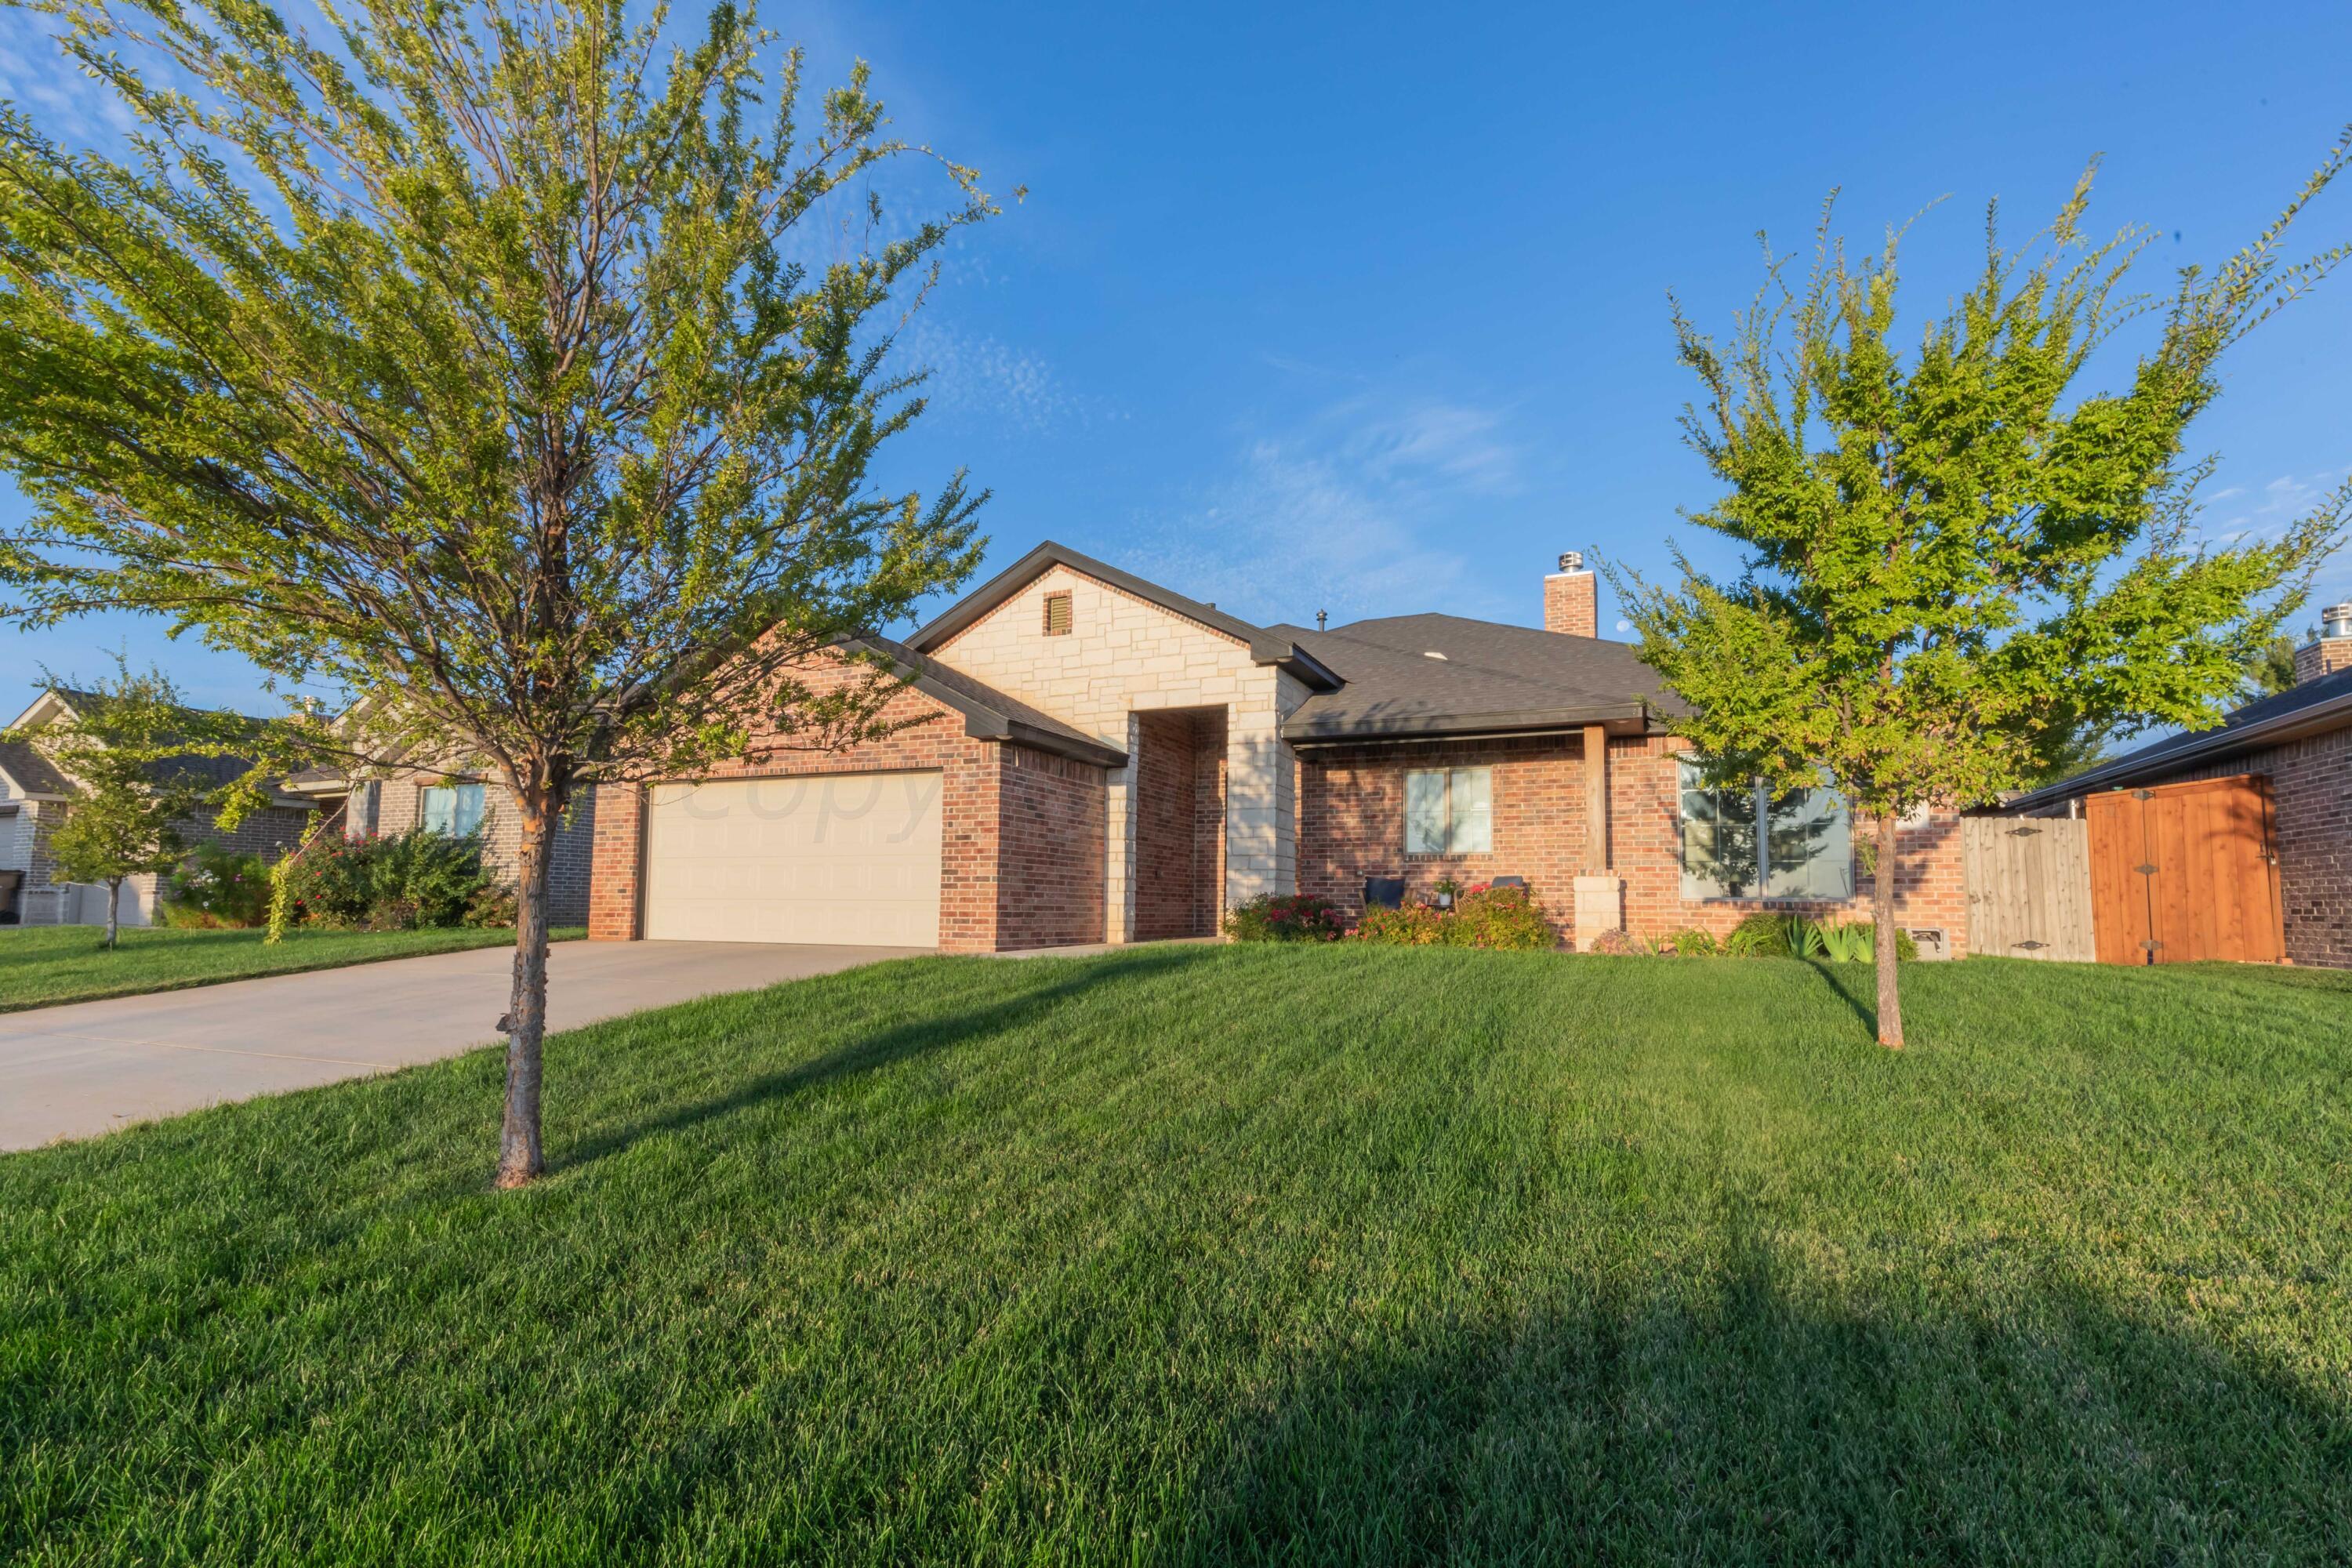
(1364, 308)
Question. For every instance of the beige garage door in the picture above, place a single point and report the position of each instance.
(850, 858)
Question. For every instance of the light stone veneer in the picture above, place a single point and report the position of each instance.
(1125, 655)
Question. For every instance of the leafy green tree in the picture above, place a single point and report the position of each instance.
(2270, 669)
(127, 750)
(1955, 560)
(512, 372)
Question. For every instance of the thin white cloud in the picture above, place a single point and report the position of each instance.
(2269, 510)
(982, 380)
(1356, 511)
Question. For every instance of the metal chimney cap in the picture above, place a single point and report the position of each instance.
(1571, 559)
(2338, 619)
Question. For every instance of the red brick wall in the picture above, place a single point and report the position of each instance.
(1352, 827)
(1646, 842)
(1167, 781)
(1005, 812)
(1055, 838)
(2311, 793)
(1352, 818)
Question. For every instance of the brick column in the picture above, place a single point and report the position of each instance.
(616, 854)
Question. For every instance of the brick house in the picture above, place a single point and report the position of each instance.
(2299, 742)
(1090, 757)
(35, 799)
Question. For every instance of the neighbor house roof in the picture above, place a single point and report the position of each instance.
(35, 775)
(989, 714)
(1266, 645)
(2313, 708)
(1491, 679)
(29, 772)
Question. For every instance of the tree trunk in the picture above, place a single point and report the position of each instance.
(113, 911)
(519, 1158)
(1883, 938)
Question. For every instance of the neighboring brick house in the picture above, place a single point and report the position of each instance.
(1090, 757)
(35, 799)
(2300, 741)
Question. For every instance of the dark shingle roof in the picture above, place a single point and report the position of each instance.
(207, 772)
(31, 770)
(2313, 708)
(1494, 678)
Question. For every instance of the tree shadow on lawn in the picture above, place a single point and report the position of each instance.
(1733, 1421)
(887, 1049)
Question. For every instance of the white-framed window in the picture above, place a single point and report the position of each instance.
(1741, 843)
(455, 809)
(1449, 811)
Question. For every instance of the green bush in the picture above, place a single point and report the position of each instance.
(1292, 917)
(1691, 941)
(1503, 918)
(1506, 917)
(401, 881)
(1856, 942)
(216, 886)
(1415, 925)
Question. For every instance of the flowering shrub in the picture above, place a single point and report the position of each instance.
(1507, 918)
(1482, 916)
(1415, 925)
(1620, 944)
(1296, 917)
(398, 881)
(217, 886)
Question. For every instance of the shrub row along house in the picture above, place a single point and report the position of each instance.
(1090, 757)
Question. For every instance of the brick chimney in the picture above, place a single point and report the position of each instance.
(2332, 651)
(1572, 598)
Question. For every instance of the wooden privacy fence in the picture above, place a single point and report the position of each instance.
(2175, 874)
(2029, 887)
(2185, 872)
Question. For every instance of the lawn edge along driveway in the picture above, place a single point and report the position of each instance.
(72, 961)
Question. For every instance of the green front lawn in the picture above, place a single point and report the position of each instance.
(1198, 1253)
(43, 965)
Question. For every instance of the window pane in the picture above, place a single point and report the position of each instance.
(467, 817)
(441, 810)
(1718, 840)
(1472, 806)
(1810, 847)
(1424, 814)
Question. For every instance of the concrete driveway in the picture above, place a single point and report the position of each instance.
(91, 1067)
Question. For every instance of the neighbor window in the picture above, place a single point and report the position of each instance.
(454, 809)
(1741, 843)
(1449, 811)
(1057, 615)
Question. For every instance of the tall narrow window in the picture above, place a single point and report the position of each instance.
(1741, 843)
(1057, 615)
(1449, 811)
(455, 810)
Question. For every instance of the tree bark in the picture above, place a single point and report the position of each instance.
(113, 911)
(519, 1155)
(1883, 938)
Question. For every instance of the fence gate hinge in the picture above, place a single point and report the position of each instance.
(2030, 945)
(2023, 832)
(2145, 870)
(2143, 795)
(2150, 945)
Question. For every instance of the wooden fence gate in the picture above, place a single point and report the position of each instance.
(2029, 887)
(2186, 871)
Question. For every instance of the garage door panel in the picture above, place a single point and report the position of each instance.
(849, 858)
